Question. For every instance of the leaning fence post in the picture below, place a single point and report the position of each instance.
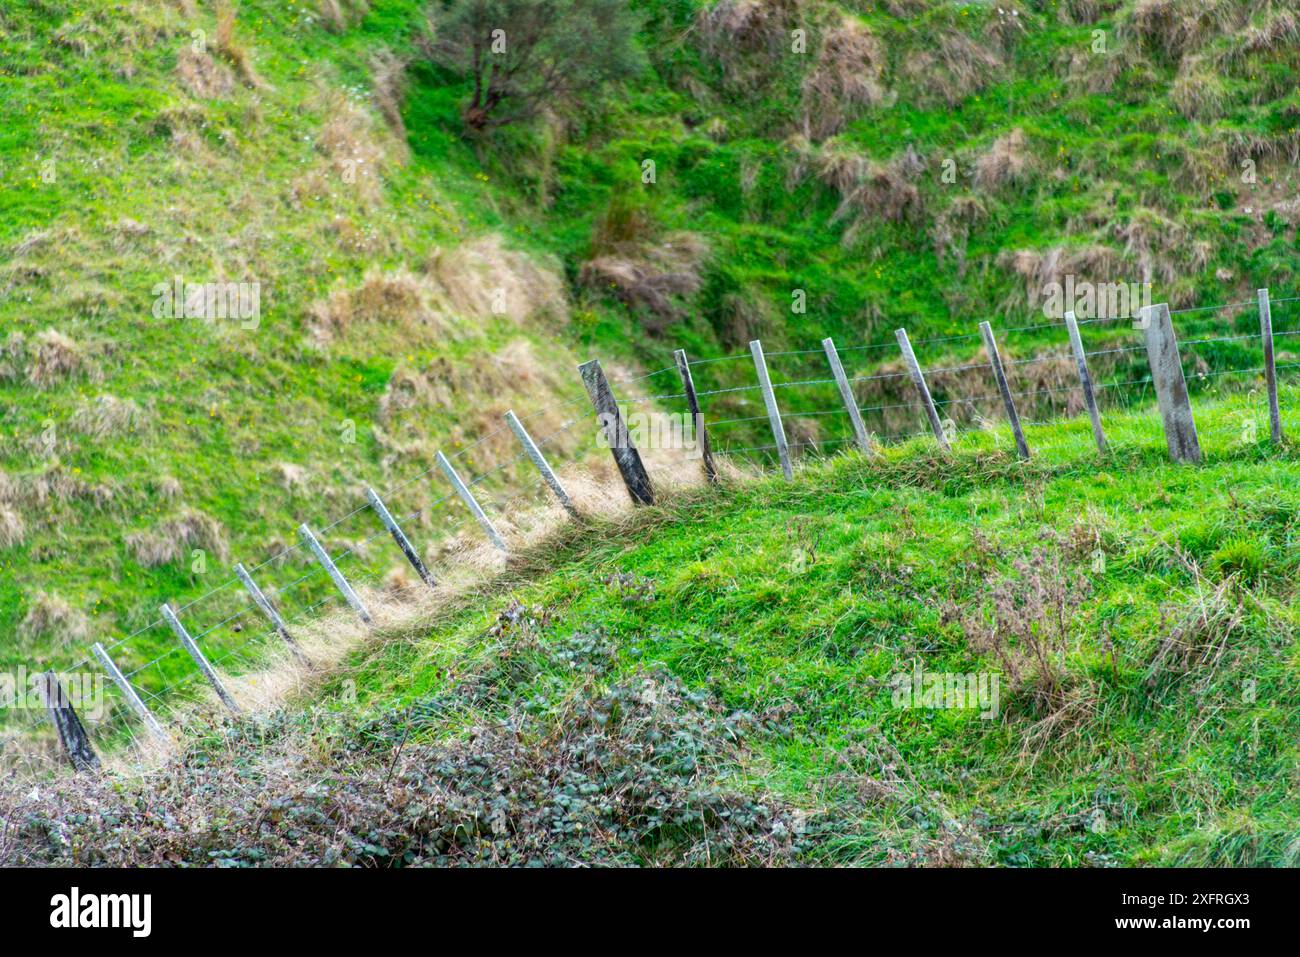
(1171, 386)
(918, 380)
(72, 735)
(128, 693)
(846, 393)
(535, 455)
(773, 413)
(199, 659)
(470, 501)
(399, 537)
(341, 583)
(697, 417)
(266, 607)
(1270, 368)
(995, 360)
(626, 456)
(1085, 380)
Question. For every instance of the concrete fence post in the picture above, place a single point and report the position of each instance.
(470, 501)
(264, 603)
(773, 412)
(995, 362)
(199, 659)
(341, 583)
(846, 393)
(922, 390)
(1270, 366)
(399, 536)
(535, 456)
(1085, 380)
(128, 693)
(625, 453)
(1171, 386)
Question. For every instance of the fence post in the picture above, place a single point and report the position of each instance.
(1085, 380)
(132, 699)
(846, 393)
(336, 576)
(470, 501)
(199, 659)
(1270, 368)
(1171, 387)
(265, 605)
(697, 417)
(773, 413)
(399, 537)
(626, 456)
(995, 361)
(918, 380)
(72, 735)
(538, 459)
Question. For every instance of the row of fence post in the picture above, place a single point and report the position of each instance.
(1166, 376)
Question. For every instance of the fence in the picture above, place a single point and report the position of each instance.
(822, 391)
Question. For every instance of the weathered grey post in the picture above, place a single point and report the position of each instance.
(1171, 387)
(132, 699)
(199, 659)
(846, 393)
(918, 380)
(1085, 380)
(72, 735)
(471, 502)
(336, 576)
(697, 417)
(995, 361)
(399, 537)
(1270, 368)
(538, 459)
(773, 413)
(626, 457)
(265, 605)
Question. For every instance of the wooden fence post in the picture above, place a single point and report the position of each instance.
(1270, 367)
(995, 361)
(1171, 386)
(535, 455)
(626, 456)
(128, 693)
(341, 583)
(697, 417)
(199, 659)
(470, 501)
(399, 536)
(72, 735)
(918, 380)
(773, 413)
(264, 603)
(1085, 380)
(846, 393)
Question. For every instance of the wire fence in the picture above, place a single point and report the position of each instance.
(228, 626)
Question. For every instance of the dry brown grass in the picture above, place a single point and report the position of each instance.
(847, 75)
(388, 73)
(1007, 162)
(107, 416)
(203, 76)
(231, 48)
(49, 616)
(12, 529)
(341, 15)
(746, 36)
(168, 541)
(951, 70)
(54, 357)
(652, 277)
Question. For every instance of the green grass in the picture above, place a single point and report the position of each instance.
(800, 601)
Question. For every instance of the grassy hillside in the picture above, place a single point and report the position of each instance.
(312, 149)
(711, 681)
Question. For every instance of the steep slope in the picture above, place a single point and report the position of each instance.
(717, 681)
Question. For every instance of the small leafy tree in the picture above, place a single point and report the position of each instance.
(527, 55)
